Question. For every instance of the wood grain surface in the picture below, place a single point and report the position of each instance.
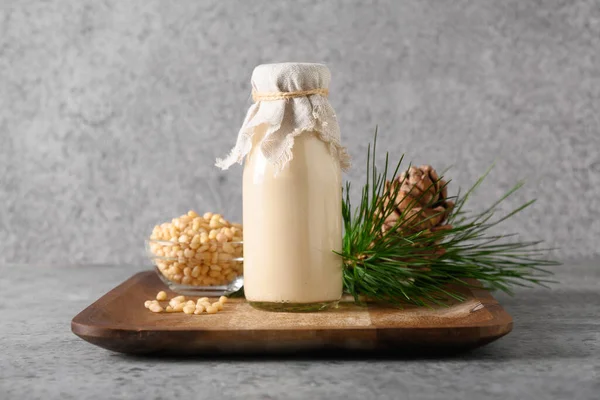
(119, 321)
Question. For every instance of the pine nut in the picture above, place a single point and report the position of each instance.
(224, 257)
(189, 253)
(161, 296)
(227, 248)
(205, 304)
(156, 308)
(212, 310)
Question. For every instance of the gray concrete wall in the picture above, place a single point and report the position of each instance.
(112, 112)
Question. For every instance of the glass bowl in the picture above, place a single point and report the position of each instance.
(211, 269)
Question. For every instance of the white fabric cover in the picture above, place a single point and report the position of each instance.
(287, 118)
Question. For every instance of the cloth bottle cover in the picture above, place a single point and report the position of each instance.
(290, 98)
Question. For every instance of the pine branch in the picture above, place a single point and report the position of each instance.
(416, 267)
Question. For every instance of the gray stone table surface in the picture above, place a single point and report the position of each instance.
(553, 351)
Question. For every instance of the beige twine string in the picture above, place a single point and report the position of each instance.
(272, 96)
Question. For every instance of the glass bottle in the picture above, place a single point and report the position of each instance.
(292, 190)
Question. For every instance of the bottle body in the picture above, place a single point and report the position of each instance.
(292, 226)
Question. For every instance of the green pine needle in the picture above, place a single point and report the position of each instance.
(402, 269)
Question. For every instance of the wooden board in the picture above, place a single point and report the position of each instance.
(118, 321)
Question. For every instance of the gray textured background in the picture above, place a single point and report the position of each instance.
(112, 112)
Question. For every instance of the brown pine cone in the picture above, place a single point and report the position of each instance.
(422, 201)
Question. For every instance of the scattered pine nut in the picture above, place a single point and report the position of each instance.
(156, 308)
(179, 304)
(161, 296)
(212, 310)
(189, 309)
(206, 304)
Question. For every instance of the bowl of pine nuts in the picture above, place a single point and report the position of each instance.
(198, 255)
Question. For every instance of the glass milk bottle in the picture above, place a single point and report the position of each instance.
(292, 190)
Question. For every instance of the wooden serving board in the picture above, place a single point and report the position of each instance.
(118, 321)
